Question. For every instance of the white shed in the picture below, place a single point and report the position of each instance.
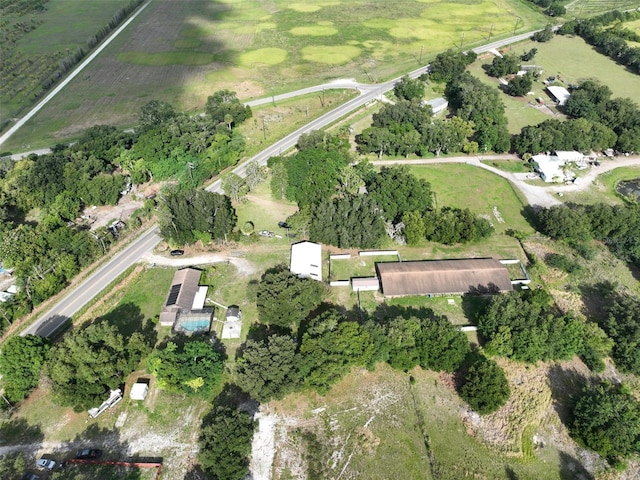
(139, 391)
(306, 260)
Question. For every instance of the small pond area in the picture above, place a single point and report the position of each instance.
(628, 188)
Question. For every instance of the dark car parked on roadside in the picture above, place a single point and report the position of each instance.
(176, 253)
(88, 453)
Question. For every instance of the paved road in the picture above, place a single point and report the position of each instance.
(55, 317)
(93, 285)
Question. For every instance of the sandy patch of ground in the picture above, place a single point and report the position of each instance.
(263, 447)
(245, 267)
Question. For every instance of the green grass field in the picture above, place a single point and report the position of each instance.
(573, 60)
(465, 186)
(588, 8)
(182, 53)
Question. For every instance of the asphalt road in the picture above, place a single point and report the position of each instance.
(53, 319)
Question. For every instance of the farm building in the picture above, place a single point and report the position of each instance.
(552, 167)
(306, 260)
(443, 277)
(559, 94)
(184, 308)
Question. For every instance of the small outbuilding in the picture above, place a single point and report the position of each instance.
(559, 94)
(232, 323)
(139, 389)
(306, 260)
(437, 105)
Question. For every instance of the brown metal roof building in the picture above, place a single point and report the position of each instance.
(443, 277)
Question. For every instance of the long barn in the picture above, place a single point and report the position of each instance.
(443, 277)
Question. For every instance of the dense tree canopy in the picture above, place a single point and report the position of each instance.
(450, 64)
(21, 361)
(268, 369)
(330, 347)
(89, 362)
(623, 326)
(503, 65)
(190, 366)
(409, 89)
(285, 300)
(525, 327)
(397, 191)
(455, 225)
(618, 226)
(606, 418)
(349, 221)
(472, 100)
(520, 85)
(225, 443)
(485, 387)
(190, 215)
(224, 107)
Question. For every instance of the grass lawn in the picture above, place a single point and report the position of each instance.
(260, 49)
(465, 186)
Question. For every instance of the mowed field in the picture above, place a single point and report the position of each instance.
(571, 60)
(182, 51)
(586, 8)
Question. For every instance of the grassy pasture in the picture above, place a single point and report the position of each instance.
(258, 47)
(588, 8)
(465, 186)
(41, 49)
(575, 60)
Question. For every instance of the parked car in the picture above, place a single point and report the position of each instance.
(266, 233)
(283, 225)
(31, 476)
(88, 453)
(176, 253)
(46, 463)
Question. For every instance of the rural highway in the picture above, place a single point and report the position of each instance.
(71, 303)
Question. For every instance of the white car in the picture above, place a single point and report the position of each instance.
(46, 464)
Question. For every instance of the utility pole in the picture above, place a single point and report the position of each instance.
(190, 166)
(516, 26)
(461, 40)
(264, 129)
(490, 32)
(421, 49)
